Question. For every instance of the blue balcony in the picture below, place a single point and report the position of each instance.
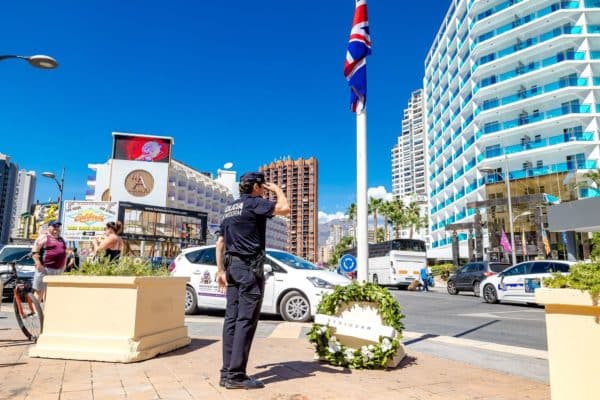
(552, 169)
(532, 66)
(532, 41)
(525, 94)
(538, 144)
(537, 117)
(584, 193)
(90, 192)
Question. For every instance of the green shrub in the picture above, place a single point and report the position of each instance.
(443, 270)
(124, 266)
(583, 276)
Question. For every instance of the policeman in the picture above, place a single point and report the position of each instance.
(240, 262)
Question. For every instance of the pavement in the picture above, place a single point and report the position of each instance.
(284, 361)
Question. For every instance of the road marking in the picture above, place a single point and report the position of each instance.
(502, 348)
(199, 320)
(495, 316)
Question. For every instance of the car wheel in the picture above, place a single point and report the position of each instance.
(476, 288)
(191, 301)
(375, 279)
(489, 294)
(451, 287)
(294, 307)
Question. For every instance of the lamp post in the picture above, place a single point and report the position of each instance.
(38, 61)
(509, 200)
(61, 186)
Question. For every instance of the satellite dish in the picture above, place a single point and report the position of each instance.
(228, 165)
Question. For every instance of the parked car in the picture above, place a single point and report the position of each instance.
(25, 267)
(518, 283)
(293, 287)
(469, 276)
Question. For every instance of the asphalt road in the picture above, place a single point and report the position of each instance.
(469, 317)
(433, 313)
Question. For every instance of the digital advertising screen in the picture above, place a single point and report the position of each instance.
(141, 148)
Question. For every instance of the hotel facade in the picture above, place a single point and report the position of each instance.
(511, 90)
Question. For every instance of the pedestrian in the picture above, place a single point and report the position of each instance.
(425, 279)
(72, 259)
(49, 253)
(240, 264)
(112, 244)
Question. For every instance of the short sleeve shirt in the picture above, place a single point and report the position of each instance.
(244, 225)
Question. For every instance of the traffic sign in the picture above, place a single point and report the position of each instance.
(348, 263)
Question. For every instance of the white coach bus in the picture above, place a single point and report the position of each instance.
(396, 262)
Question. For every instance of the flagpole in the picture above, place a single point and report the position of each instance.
(362, 230)
(510, 213)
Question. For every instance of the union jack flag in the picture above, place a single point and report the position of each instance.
(359, 47)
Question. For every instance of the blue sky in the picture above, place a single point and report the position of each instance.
(239, 81)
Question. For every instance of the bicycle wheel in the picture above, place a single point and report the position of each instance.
(29, 315)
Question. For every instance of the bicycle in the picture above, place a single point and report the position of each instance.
(28, 310)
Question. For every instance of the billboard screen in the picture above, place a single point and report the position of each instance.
(82, 220)
(141, 148)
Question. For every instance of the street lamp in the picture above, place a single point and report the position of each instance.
(38, 61)
(61, 186)
(509, 200)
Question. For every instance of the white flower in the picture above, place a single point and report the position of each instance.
(386, 344)
(333, 345)
(349, 354)
(371, 347)
(323, 330)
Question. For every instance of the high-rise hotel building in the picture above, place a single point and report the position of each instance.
(299, 180)
(513, 87)
(408, 155)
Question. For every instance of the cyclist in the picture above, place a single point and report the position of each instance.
(50, 255)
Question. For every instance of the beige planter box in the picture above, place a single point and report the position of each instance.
(573, 329)
(116, 319)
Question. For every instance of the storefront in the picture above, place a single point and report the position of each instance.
(159, 232)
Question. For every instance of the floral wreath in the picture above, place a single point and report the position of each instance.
(371, 356)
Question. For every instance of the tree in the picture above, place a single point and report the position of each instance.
(414, 218)
(398, 216)
(385, 210)
(344, 244)
(379, 235)
(351, 212)
(374, 206)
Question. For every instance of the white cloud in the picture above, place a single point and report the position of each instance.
(379, 192)
(324, 217)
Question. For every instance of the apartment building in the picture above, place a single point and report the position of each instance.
(511, 91)
(299, 180)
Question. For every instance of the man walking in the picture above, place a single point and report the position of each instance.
(49, 253)
(240, 261)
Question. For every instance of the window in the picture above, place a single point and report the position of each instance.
(542, 267)
(205, 256)
(519, 269)
(560, 267)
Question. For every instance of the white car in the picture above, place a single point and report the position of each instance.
(518, 283)
(293, 287)
(25, 264)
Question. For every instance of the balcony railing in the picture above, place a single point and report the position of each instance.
(553, 169)
(538, 144)
(537, 117)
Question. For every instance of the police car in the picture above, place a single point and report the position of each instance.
(518, 283)
(293, 287)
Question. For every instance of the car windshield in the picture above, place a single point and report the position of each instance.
(292, 260)
(9, 254)
(498, 267)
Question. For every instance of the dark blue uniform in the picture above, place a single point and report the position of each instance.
(244, 231)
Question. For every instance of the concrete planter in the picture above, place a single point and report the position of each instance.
(573, 329)
(108, 318)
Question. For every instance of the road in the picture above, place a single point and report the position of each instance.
(469, 317)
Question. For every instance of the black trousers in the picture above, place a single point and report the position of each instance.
(245, 292)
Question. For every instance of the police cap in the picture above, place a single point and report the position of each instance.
(253, 177)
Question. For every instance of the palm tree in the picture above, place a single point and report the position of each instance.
(594, 176)
(385, 210)
(374, 206)
(351, 212)
(414, 218)
(398, 216)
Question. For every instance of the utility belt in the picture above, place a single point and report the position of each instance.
(255, 262)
